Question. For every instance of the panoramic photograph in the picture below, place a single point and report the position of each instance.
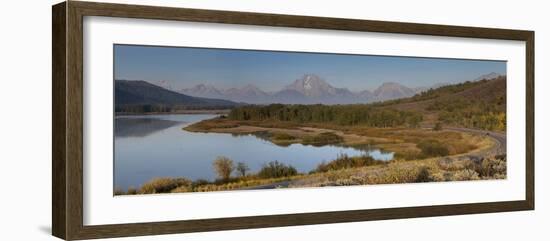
(192, 119)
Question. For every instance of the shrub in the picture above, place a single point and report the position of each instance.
(163, 185)
(441, 176)
(490, 167)
(449, 164)
(423, 175)
(132, 191)
(343, 161)
(432, 148)
(276, 169)
(398, 174)
(223, 167)
(182, 189)
(242, 168)
(119, 191)
(465, 175)
(200, 182)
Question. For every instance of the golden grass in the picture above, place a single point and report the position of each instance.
(163, 185)
(400, 140)
(427, 170)
(243, 184)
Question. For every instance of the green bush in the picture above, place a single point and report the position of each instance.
(276, 169)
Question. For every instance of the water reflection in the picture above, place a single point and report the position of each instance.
(140, 127)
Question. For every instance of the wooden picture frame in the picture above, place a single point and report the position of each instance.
(67, 152)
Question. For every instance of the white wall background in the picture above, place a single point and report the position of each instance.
(25, 123)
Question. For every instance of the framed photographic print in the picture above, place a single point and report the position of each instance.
(171, 120)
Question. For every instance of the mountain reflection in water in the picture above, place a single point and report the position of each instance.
(141, 127)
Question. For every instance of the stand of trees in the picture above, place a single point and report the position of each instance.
(223, 166)
(359, 114)
(487, 115)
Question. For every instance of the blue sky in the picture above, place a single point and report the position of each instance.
(271, 70)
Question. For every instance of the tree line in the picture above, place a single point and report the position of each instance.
(356, 114)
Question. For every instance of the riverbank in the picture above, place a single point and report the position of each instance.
(406, 143)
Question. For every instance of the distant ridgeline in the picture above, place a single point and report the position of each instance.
(136, 96)
(472, 104)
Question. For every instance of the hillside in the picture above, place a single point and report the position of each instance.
(478, 104)
(141, 96)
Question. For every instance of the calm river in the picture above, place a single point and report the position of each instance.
(151, 146)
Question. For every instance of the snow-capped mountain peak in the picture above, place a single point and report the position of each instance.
(312, 86)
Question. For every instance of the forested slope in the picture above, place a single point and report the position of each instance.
(480, 104)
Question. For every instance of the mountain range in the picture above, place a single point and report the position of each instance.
(309, 89)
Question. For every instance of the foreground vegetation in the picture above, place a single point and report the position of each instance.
(224, 167)
(430, 170)
(343, 171)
